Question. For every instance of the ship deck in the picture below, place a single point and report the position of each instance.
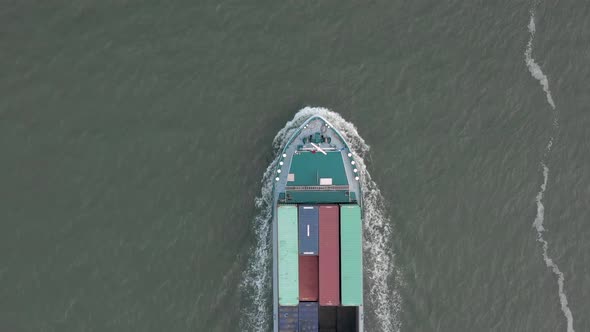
(307, 168)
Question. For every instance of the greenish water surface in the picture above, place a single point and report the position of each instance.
(134, 136)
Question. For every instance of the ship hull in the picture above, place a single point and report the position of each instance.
(316, 169)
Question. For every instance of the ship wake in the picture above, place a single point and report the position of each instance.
(382, 298)
(538, 74)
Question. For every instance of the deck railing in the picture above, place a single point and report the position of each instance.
(317, 188)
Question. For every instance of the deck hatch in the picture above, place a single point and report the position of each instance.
(308, 168)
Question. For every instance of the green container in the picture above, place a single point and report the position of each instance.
(351, 255)
(288, 255)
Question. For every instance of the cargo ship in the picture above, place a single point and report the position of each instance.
(317, 233)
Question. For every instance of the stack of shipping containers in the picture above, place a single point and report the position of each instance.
(320, 263)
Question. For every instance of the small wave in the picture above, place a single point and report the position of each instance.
(384, 301)
(538, 74)
(533, 67)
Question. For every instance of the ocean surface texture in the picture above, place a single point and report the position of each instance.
(137, 140)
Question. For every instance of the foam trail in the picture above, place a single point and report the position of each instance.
(257, 280)
(383, 302)
(538, 74)
(534, 68)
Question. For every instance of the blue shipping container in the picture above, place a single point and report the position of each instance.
(308, 229)
(308, 317)
(288, 319)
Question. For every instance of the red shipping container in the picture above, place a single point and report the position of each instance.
(308, 278)
(329, 255)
